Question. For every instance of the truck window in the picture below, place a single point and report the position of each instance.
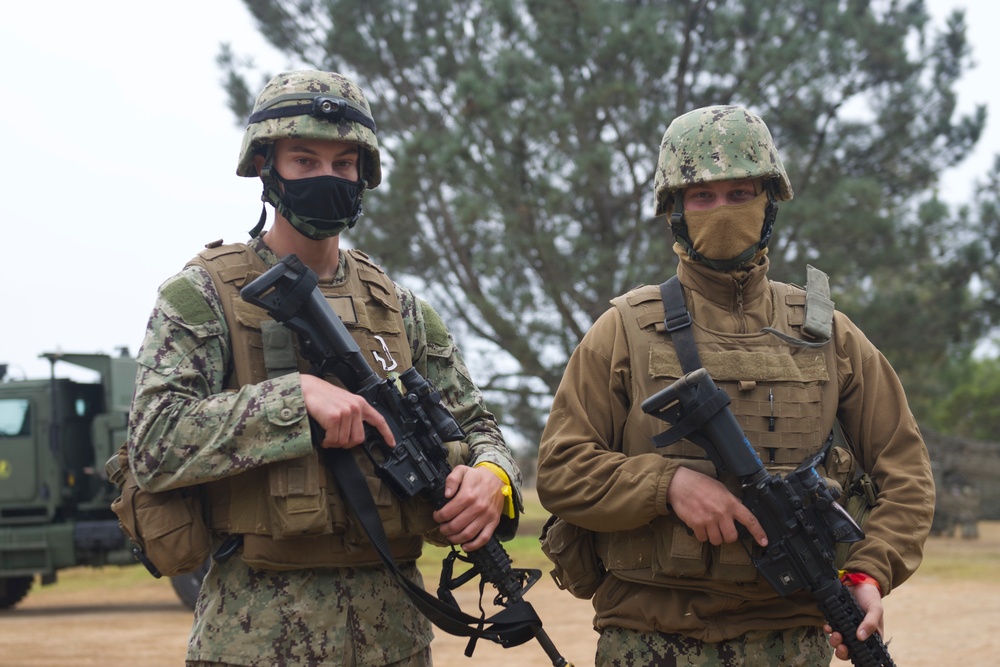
(14, 421)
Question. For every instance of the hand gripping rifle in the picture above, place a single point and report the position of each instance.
(799, 512)
(416, 466)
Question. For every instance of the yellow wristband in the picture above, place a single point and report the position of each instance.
(508, 493)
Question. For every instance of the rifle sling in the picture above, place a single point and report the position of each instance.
(512, 626)
(677, 320)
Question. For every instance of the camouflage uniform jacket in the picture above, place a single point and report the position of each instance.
(185, 429)
(587, 477)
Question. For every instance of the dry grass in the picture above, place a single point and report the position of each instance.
(948, 614)
(956, 559)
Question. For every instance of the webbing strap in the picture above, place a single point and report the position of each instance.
(512, 626)
(678, 324)
(326, 108)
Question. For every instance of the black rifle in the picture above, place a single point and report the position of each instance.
(799, 512)
(416, 466)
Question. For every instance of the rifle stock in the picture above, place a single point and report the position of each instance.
(799, 512)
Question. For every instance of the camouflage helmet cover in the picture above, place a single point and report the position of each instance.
(293, 88)
(716, 143)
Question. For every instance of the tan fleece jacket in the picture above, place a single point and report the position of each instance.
(585, 478)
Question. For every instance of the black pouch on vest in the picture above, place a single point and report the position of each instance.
(571, 549)
(167, 527)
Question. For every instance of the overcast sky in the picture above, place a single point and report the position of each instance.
(120, 159)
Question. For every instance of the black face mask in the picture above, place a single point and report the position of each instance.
(318, 207)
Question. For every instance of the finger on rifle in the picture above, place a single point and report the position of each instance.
(454, 480)
(375, 418)
(751, 523)
(837, 642)
(480, 540)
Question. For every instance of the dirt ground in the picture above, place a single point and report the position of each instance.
(947, 614)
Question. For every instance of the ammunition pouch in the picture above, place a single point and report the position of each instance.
(858, 500)
(858, 491)
(298, 504)
(660, 553)
(666, 551)
(572, 551)
(167, 527)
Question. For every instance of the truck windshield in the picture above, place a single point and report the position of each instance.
(14, 422)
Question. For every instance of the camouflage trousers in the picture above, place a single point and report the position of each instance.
(797, 647)
(419, 659)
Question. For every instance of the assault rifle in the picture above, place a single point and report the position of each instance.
(799, 512)
(416, 466)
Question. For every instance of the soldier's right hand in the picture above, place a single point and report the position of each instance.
(341, 414)
(707, 507)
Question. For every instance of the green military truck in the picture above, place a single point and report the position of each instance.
(55, 499)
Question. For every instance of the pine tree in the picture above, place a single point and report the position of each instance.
(520, 138)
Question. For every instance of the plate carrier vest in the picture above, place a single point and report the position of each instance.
(782, 396)
(291, 513)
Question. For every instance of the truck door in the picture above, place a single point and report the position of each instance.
(18, 458)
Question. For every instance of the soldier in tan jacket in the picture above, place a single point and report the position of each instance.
(678, 585)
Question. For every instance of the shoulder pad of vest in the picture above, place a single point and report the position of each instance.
(373, 277)
(232, 262)
(638, 295)
(219, 249)
(364, 259)
(794, 294)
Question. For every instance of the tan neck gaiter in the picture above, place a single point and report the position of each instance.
(724, 232)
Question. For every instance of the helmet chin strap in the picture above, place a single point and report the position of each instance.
(679, 227)
(259, 227)
(268, 180)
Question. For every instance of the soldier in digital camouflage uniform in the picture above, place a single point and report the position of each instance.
(222, 403)
(680, 588)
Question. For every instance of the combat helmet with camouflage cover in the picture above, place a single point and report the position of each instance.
(718, 143)
(315, 105)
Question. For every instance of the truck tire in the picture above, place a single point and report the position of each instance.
(187, 585)
(13, 590)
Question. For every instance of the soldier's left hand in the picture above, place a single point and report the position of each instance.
(473, 509)
(870, 600)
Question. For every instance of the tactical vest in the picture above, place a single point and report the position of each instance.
(291, 513)
(782, 396)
